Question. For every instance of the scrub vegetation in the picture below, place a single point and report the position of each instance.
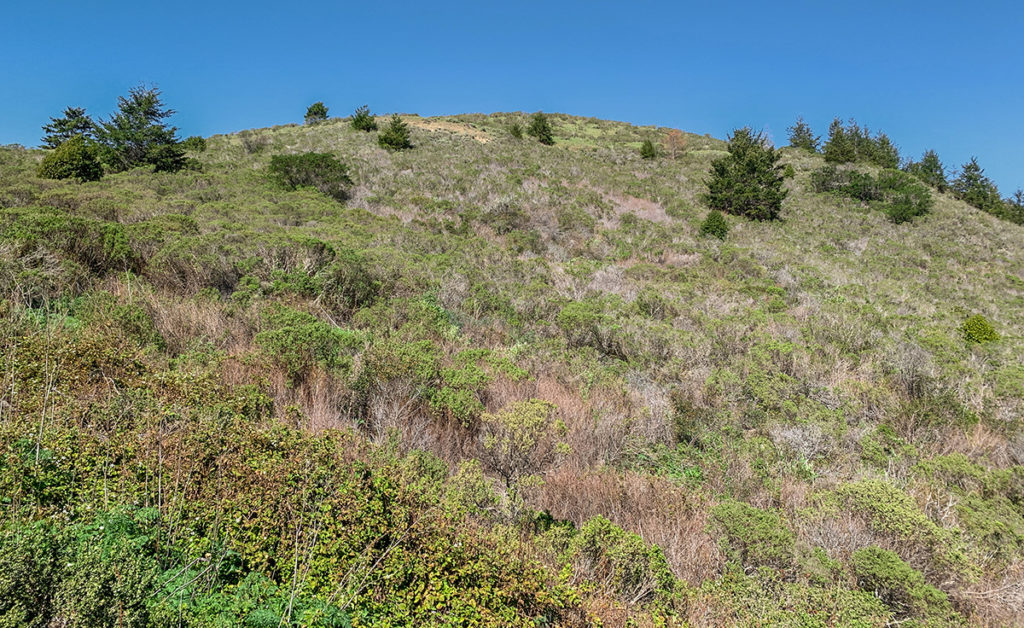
(505, 370)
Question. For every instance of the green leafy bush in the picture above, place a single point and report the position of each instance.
(395, 135)
(901, 586)
(748, 182)
(322, 171)
(76, 158)
(515, 129)
(540, 128)
(715, 225)
(978, 330)
(754, 537)
(299, 341)
(898, 194)
(363, 120)
(316, 113)
(635, 571)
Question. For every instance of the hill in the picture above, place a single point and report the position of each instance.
(501, 383)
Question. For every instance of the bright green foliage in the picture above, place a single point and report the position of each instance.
(801, 136)
(299, 342)
(363, 120)
(540, 128)
(137, 135)
(901, 586)
(974, 188)
(899, 195)
(316, 113)
(930, 170)
(194, 144)
(520, 440)
(74, 123)
(635, 571)
(395, 135)
(322, 171)
(749, 181)
(754, 537)
(76, 158)
(647, 150)
(715, 225)
(979, 330)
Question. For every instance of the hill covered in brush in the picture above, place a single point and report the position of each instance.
(458, 376)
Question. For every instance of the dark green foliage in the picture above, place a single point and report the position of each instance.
(899, 195)
(395, 135)
(715, 225)
(74, 123)
(754, 537)
(900, 586)
(540, 128)
(974, 188)
(515, 129)
(137, 135)
(978, 330)
(322, 171)
(194, 144)
(748, 182)
(316, 113)
(647, 150)
(76, 158)
(854, 143)
(1013, 208)
(801, 136)
(930, 170)
(363, 120)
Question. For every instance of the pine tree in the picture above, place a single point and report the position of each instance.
(747, 182)
(974, 188)
(136, 135)
(74, 123)
(929, 170)
(540, 128)
(316, 113)
(363, 120)
(395, 135)
(647, 150)
(840, 147)
(801, 136)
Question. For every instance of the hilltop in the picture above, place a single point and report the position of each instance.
(502, 383)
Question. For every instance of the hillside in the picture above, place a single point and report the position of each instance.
(500, 383)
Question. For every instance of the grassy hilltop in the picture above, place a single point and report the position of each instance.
(501, 383)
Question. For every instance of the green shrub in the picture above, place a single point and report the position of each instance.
(298, 341)
(515, 129)
(748, 182)
(363, 120)
(978, 330)
(76, 158)
(754, 537)
(317, 112)
(898, 194)
(647, 150)
(900, 586)
(194, 144)
(634, 571)
(322, 171)
(395, 135)
(715, 225)
(540, 128)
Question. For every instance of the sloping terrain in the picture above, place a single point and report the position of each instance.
(501, 384)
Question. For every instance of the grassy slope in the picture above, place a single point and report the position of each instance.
(812, 368)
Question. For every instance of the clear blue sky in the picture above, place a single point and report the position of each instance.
(940, 74)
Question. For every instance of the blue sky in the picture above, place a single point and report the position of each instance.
(942, 75)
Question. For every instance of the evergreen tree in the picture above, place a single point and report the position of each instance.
(317, 112)
(74, 122)
(748, 181)
(882, 152)
(1014, 207)
(395, 135)
(840, 147)
(929, 170)
(974, 188)
(801, 136)
(363, 120)
(136, 135)
(540, 128)
(647, 150)
(75, 158)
